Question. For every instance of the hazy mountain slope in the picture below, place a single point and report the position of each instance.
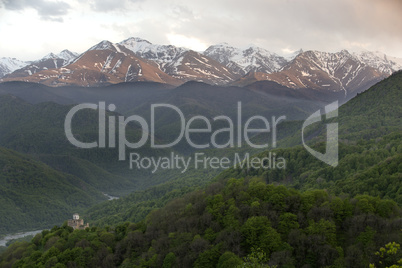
(267, 99)
(39, 130)
(34, 93)
(124, 95)
(194, 98)
(33, 195)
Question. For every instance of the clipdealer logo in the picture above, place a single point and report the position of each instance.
(236, 137)
(330, 156)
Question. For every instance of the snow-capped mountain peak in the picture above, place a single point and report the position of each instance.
(243, 60)
(13, 63)
(103, 45)
(136, 39)
(222, 44)
(137, 45)
(380, 61)
(251, 45)
(147, 50)
(67, 55)
(289, 57)
(51, 55)
(163, 55)
(9, 65)
(49, 61)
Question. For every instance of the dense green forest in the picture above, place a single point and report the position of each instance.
(230, 223)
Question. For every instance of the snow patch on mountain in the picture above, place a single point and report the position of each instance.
(163, 55)
(340, 71)
(247, 59)
(68, 56)
(65, 55)
(379, 61)
(179, 62)
(289, 57)
(103, 45)
(9, 65)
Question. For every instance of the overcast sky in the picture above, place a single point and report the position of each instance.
(30, 29)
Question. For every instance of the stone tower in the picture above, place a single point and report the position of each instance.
(77, 223)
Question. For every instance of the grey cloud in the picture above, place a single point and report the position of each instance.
(181, 12)
(311, 24)
(110, 5)
(47, 10)
(328, 25)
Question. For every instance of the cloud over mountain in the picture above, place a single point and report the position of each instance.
(47, 10)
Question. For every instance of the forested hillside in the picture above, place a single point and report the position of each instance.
(231, 223)
(34, 195)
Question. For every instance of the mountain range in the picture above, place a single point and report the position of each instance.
(136, 59)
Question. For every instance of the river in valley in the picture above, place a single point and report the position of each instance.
(5, 239)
